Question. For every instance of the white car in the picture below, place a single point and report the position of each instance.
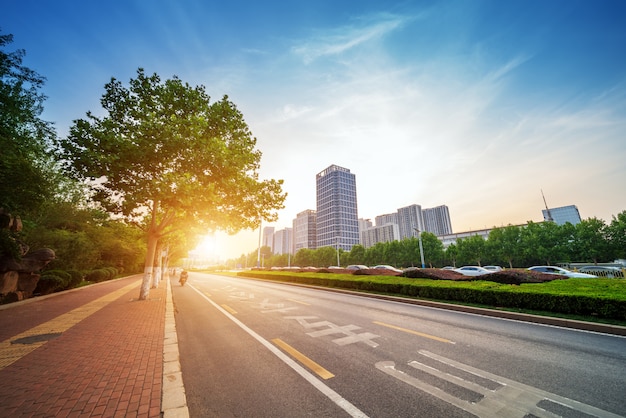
(473, 271)
(356, 267)
(493, 268)
(387, 267)
(561, 271)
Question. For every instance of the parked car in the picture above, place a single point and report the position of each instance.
(493, 268)
(357, 267)
(448, 268)
(472, 271)
(561, 271)
(387, 267)
(602, 271)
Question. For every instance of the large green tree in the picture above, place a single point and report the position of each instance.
(26, 169)
(164, 156)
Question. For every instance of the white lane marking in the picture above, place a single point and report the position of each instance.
(331, 329)
(510, 399)
(341, 402)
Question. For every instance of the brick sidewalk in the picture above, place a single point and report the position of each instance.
(108, 364)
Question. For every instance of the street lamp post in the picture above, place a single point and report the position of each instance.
(419, 239)
(338, 263)
(258, 254)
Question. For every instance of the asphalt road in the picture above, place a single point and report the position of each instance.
(257, 349)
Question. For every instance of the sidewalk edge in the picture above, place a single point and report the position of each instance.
(173, 399)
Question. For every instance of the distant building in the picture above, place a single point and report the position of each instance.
(363, 225)
(304, 234)
(283, 241)
(384, 233)
(268, 237)
(337, 215)
(437, 220)
(562, 215)
(389, 218)
(410, 218)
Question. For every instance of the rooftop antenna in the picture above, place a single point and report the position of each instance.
(548, 214)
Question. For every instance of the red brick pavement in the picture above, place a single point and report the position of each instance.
(108, 365)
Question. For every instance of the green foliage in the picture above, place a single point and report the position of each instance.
(25, 165)
(604, 298)
(513, 246)
(101, 274)
(164, 148)
(49, 283)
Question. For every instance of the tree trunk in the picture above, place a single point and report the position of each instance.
(158, 268)
(144, 292)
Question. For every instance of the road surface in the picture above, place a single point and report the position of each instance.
(254, 348)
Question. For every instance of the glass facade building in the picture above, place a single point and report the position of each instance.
(563, 215)
(337, 215)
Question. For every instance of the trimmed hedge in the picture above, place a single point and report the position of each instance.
(49, 283)
(585, 300)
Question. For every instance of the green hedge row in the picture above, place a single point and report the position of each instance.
(536, 297)
(57, 280)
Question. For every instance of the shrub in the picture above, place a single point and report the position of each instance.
(77, 278)
(65, 277)
(98, 275)
(49, 283)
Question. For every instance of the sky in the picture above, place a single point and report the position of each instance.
(477, 105)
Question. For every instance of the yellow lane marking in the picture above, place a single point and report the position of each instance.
(300, 302)
(207, 294)
(10, 353)
(229, 309)
(313, 366)
(410, 331)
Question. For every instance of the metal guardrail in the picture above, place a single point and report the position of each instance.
(611, 274)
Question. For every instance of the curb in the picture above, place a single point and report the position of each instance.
(173, 399)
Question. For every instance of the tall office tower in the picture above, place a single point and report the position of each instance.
(563, 215)
(410, 218)
(282, 241)
(389, 218)
(268, 237)
(337, 217)
(304, 230)
(437, 220)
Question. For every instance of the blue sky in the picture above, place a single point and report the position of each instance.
(477, 105)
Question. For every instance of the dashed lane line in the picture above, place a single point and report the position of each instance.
(410, 331)
(312, 365)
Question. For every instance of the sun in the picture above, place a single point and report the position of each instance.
(206, 247)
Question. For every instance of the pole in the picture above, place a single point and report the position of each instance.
(338, 263)
(258, 254)
(419, 239)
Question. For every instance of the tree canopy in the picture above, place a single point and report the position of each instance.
(166, 157)
(24, 136)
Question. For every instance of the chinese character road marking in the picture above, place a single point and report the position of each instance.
(274, 307)
(330, 329)
(509, 399)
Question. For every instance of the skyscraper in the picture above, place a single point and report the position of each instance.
(410, 218)
(337, 215)
(437, 220)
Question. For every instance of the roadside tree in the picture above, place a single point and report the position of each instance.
(164, 156)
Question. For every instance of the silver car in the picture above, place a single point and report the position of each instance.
(561, 271)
